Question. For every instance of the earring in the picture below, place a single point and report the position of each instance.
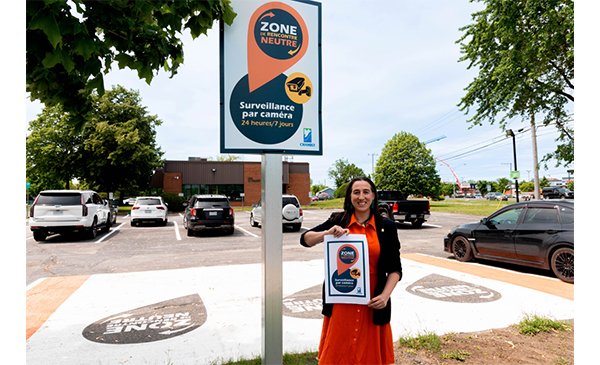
(373, 204)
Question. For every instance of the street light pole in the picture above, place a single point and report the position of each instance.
(510, 133)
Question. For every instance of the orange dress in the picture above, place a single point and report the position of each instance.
(349, 335)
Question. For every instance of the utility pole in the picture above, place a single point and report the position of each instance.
(372, 164)
(536, 174)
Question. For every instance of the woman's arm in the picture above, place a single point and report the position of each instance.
(311, 238)
(381, 300)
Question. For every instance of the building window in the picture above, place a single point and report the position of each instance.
(231, 191)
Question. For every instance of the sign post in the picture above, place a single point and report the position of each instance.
(271, 105)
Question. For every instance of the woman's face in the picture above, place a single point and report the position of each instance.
(361, 196)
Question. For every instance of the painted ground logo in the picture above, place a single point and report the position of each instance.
(154, 322)
(307, 303)
(446, 289)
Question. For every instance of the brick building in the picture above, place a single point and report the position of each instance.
(239, 180)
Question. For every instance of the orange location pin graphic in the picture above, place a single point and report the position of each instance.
(277, 39)
(347, 256)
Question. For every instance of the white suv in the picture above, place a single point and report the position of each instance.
(291, 212)
(150, 209)
(65, 211)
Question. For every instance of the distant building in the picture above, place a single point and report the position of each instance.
(238, 180)
(328, 191)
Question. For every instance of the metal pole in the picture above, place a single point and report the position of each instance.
(516, 169)
(536, 173)
(272, 258)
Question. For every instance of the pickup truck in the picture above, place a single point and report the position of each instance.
(394, 205)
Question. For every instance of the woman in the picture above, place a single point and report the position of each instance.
(353, 333)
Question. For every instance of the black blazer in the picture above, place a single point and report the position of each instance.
(389, 262)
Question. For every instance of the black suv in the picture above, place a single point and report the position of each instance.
(556, 192)
(208, 212)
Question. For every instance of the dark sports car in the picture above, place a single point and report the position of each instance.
(534, 233)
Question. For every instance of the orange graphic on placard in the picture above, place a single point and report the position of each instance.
(263, 68)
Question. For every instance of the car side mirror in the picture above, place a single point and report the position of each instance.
(484, 221)
(253, 205)
(185, 204)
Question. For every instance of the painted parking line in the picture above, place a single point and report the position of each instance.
(245, 231)
(109, 233)
(46, 297)
(543, 284)
(177, 235)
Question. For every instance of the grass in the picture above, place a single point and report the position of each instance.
(462, 206)
(303, 358)
(532, 325)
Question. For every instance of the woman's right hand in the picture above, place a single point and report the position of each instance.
(337, 231)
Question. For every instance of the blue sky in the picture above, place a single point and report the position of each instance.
(388, 67)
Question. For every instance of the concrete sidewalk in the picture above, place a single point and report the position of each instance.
(203, 315)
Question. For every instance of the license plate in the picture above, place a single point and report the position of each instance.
(212, 213)
(148, 211)
(413, 216)
(58, 212)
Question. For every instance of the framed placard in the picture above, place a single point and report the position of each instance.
(347, 269)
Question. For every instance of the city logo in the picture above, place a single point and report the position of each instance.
(307, 135)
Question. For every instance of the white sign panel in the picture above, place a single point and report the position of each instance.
(271, 78)
(347, 269)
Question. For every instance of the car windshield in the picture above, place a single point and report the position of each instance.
(59, 199)
(292, 201)
(211, 202)
(564, 190)
(148, 202)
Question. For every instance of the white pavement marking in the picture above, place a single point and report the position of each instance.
(232, 297)
(34, 283)
(109, 233)
(177, 232)
(243, 230)
(432, 225)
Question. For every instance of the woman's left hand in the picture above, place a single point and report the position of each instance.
(379, 302)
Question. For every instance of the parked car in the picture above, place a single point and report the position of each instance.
(66, 211)
(555, 192)
(129, 201)
(292, 215)
(208, 212)
(149, 209)
(495, 196)
(114, 209)
(396, 206)
(537, 233)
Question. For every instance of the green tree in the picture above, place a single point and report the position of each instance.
(342, 172)
(72, 44)
(115, 151)
(525, 53)
(314, 189)
(503, 184)
(526, 186)
(53, 151)
(120, 150)
(407, 165)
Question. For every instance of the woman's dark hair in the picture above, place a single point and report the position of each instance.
(343, 218)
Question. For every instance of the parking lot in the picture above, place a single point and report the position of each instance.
(200, 296)
(148, 247)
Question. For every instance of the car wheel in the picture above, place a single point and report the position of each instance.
(417, 223)
(563, 264)
(39, 236)
(297, 227)
(461, 248)
(190, 232)
(109, 221)
(92, 230)
(252, 221)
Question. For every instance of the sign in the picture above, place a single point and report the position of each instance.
(155, 322)
(347, 269)
(271, 78)
(28, 185)
(438, 287)
(515, 174)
